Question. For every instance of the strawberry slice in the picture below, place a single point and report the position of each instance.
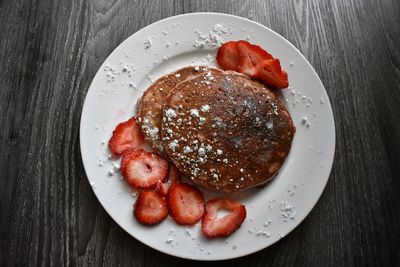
(126, 136)
(212, 226)
(227, 56)
(172, 178)
(270, 72)
(250, 56)
(186, 203)
(143, 170)
(150, 208)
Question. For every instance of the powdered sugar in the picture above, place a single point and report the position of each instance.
(262, 230)
(132, 84)
(190, 234)
(187, 149)
(214, 38)
(201, 151)
(170, 113)
(147, 43)
(205, 108)
(171, 238)
(305, 122)
(154, 132)
(111, 73)
(194, 113)
(287, 211)
(173, 144)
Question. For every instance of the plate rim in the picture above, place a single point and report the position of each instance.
(327, 102)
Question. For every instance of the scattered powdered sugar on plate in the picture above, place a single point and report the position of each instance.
(302, 101)
(209, 59)
(287, 211)
(101, 161)
(171, 238)
(291, 191)
(115, 167)
(132, 85)
(147, 43)
(305, 122)
(129, 69)
(111, 73)
(299, 98)
(214, 38)
(190, 234)
(261, 230)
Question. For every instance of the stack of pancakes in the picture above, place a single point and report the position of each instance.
(221, 129)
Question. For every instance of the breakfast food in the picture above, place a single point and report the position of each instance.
(162, 187)
(228, 134)
(254, 61)
(143, 170)
(224, 130)
(150, 104)
(150, 208)
(186, 203)
(126, 136)
(212, 226)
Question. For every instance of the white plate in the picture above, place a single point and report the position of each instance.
(112, 98)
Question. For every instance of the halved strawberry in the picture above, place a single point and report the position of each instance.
(227, 56)
(270, 72)
(143, 169)
(172, 178)
(150, 208)
(250, 56)
(186, 203)
(126, 135)
(212, 226)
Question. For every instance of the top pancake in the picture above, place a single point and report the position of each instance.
(226, 132)
(151, 103)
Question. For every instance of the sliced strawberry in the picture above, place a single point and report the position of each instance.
(270, 72)
(126, 135)
(186, 203)
(143, 170)
(249, 56)
(256, 52)
(150, 208)
(227, 56)
(172, 178)
(212, 226)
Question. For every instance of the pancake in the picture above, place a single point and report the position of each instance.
(151, 103)
(225, 132)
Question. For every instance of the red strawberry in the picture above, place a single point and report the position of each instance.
(212, 226)
(186, 203)
(126, 135)
(143, 169)
(172, 178)
(270, 72)
(227, 56)
(150, 208)
(250, 56)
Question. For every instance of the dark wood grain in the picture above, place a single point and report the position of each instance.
(50, 51)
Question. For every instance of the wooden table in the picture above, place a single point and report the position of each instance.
(50, 51)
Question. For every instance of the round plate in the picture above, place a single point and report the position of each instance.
(273, 210)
